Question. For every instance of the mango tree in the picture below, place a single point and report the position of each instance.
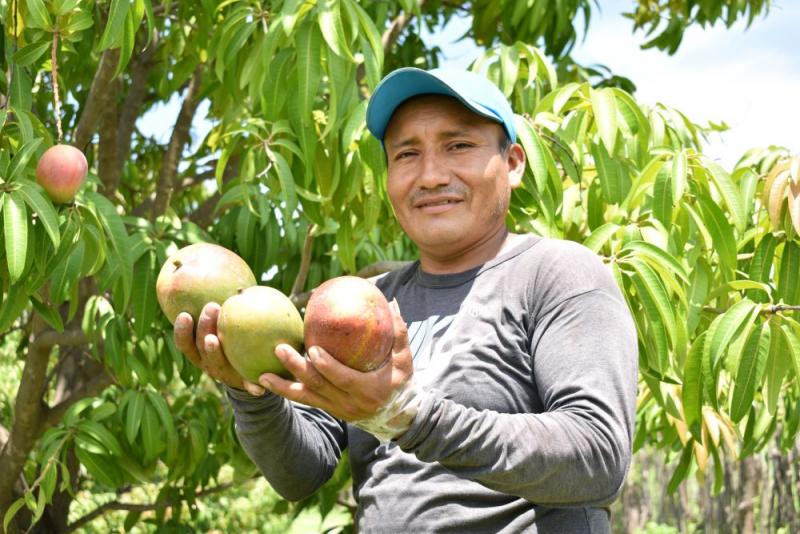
(99, 400)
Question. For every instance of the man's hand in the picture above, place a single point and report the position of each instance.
(345, 393)
(205, 351)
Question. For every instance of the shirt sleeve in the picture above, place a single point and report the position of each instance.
(577, 451)
(296, 447)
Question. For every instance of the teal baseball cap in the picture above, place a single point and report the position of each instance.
(471, 89)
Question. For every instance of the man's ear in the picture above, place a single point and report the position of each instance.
(515, 158)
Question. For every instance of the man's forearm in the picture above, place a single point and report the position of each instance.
(295, 447)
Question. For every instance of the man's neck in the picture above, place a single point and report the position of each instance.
(464, 260)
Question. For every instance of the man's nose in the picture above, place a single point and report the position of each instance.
(433, 173)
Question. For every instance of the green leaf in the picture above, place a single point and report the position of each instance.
(16, 300)
(761, 264)
(657, 255)
(605, 115)
(37, 202)
(151, 433)
(11, 512)
(612, 175)
(114, 31)
(21, 98)
(692, 392)
(662, 197)
(778, 363)
(143, 299)
(680, 166)
(30, 53)
(101, 434)
(308, 42)
(789, 274)
(15, 226)
(600, 236)
(330, 24)
(21, 158)
(722, 236)
(730, 193)
(80, 20)
(133, 416)
(50, 316)
(536, 151)
(38, 17)
(791, 334)
(100, 467)
(657, 292)
(115, 229)
(284, 172)
(167, 422)
(751, 371)
(682, 470)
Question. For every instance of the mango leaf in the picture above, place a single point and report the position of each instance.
(682, 470)
(11, 512)
(308, 42)
(101, 434)
(38, 17)
(151, 433)
(604, 106)
(115, 229)
(21, 158)
(101, 467)
(600, 236)
(692, 391)
(680, 166)
(143, 298)
(779, 362)
(50, 316)
(167, 423)
(15, 229)
(657, 255)
(730, 193)
(751, 371)
(612, 174)
(722, 236)
(662, 198)
(114, 31)
(789, 274)
(133, 416)
(30, 53)
(37, 202)
(330, 24)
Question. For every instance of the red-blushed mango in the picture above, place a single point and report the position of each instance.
(251, 324)
(349, 317)
(61, 171)
(198, 274)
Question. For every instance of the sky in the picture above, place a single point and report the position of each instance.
(748, 78)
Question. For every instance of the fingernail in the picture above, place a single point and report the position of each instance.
(396, 305)
(313, 353)
(264, 381)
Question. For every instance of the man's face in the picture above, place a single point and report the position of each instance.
(448, 180)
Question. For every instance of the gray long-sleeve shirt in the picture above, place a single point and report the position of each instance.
(529, 366)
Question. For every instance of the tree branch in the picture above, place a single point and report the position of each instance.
(107, 168)
(305, 262)
(134, 507)
(203, 214)
(180, 135)
(29, 407)
(97, 100)
(766, 310)
(141, 65)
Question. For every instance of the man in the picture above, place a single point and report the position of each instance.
(507, 404)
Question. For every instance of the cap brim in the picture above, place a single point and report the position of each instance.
(406, 83)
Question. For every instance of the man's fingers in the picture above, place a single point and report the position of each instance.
(184, 337)
(253, 389)
(300, 368)
(207, 324)
(401, 354)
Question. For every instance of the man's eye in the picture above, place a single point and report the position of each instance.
(403, 155)
(460, 146)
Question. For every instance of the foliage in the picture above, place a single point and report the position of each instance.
(289, 179)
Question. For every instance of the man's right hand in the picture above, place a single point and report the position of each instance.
(205, 350)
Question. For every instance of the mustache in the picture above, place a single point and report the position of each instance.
(422, 194)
